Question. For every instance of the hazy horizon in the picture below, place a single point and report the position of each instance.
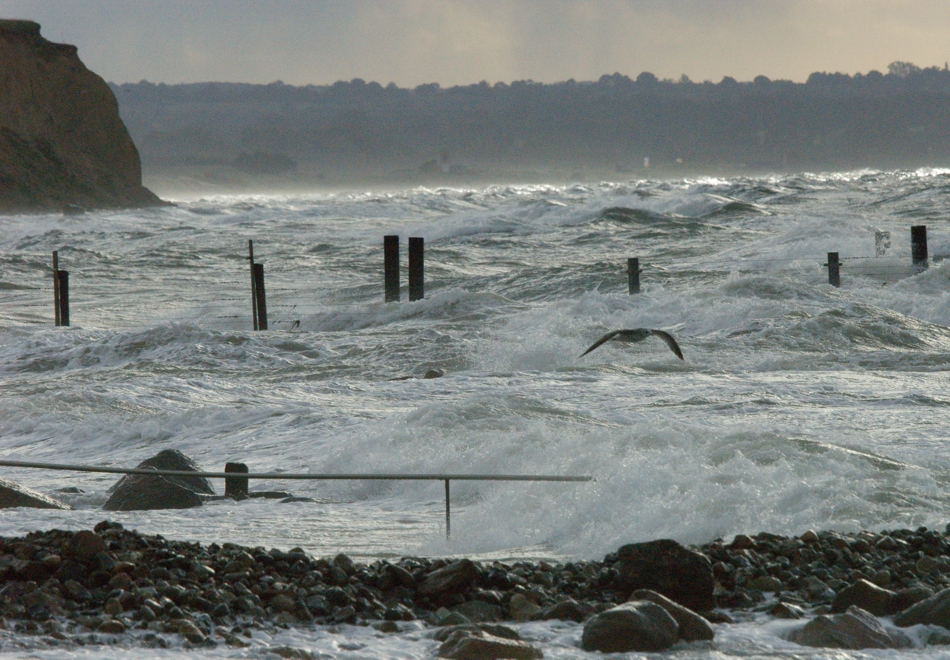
(451, 42)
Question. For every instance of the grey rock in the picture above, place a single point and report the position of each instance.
(867, 596)
(934, 611)
(692, 627)
(904, 598)
(633, 626)
(86, 545)
(495, 629)
(477, 610)
(454, 619)
(15, 495)
(466, 645)
(666, 567)
(855, 629)
(172, 459)
(139, 492)
(819, 590)
(521, 609)
(564, 610)
(454, 578)
(766, 583)
(786, 611)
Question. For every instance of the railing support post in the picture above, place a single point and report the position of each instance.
(834, 269)
(918, 247)
(250, 258)
(260, 297)
(633, 275)
(236, 487)
(416, 268)
(62, 279)
(391, 267)
(56, 287)
(448, 512)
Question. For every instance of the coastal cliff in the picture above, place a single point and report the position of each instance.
(62, 142)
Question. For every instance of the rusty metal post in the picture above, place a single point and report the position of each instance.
(56, 287)
(448, 512)
(250, 258)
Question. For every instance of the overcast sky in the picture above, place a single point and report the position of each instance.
(452, 42)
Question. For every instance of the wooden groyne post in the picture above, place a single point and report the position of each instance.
(60, 293)
(260, 297)
(236, 487)
(391, 267)
(416, 268)
(918, 247)
(633, 275)
(250, 258)
(834, 269)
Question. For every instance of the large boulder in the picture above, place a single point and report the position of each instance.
(172, 459)
(934, 611)
(867, 596)
(139, 492)
(455, 578)
(665, 566)
(14, 495)
(62, 142)
(693, 628)
(634, 626)
(480, 645)
(855, 629)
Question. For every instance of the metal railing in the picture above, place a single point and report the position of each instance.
(308, 476)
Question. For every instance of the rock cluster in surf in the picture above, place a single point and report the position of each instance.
(79, 587)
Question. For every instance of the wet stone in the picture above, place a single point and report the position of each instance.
(111, 626)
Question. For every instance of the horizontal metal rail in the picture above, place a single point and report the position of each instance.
(306, 476)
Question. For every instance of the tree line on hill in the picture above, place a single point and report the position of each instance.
(832, 121)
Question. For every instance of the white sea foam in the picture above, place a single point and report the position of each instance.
(798, 406)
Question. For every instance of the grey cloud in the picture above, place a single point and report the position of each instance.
(464, 41)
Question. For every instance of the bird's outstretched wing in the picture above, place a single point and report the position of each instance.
(668, 338)
(605, 338)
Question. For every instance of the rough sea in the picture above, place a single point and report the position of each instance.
(799, 405)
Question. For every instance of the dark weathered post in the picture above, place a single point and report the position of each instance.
(250, 258)
(918, 247)
(56, 286)
(260, 297)
(834, 269)
(62, 281)
(236, 487)
(448, 512)
(633, 275)
(391, 267)
(416, 268)
(882, 241)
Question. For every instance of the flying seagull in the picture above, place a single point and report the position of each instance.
(633, 336)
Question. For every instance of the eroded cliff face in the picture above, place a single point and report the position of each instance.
(62, 142)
